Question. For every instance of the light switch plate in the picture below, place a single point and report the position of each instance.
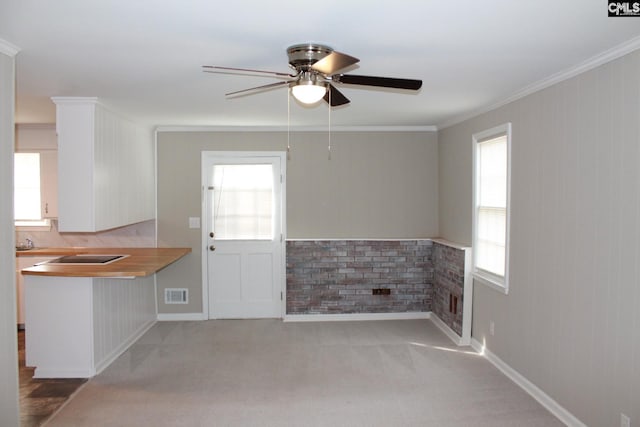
(194, 222)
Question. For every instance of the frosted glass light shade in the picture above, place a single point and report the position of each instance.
(308, 93)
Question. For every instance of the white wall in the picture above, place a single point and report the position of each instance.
(571, 321)
(9, 409)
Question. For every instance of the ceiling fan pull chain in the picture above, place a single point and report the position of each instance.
(289, 124)
(329, 125)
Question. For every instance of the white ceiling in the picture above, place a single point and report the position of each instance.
(143, 57)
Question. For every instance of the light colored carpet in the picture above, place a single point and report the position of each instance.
(270, 373)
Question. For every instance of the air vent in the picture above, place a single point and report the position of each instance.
(176, 296)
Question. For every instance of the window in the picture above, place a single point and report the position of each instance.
(491, 160)
(243, 202)
(27, 206)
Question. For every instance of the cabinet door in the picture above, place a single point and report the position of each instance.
(24, 262)
(49, 183)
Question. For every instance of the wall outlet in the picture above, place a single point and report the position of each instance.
(625, 421)
(492, 328)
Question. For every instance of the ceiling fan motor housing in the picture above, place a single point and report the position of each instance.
(303, 56)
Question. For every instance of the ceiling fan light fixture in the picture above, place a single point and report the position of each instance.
(309, 91)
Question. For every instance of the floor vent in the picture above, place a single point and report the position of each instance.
(176, 296)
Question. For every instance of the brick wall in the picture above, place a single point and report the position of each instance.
(339, 276)
(448, 282)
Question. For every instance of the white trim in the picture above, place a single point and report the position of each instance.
(205, 155)
(355, 317)
(589, 64)
(40, 373)
(493, 284)
(93, 100)
(428, 128)
(96, 102)
(467, 298)
(283, 234)
(155, 181)
(36, 126)
(8, 49)
(449, 243)
(355, 239)
(204, 260)
(499, 283)
(457, 339)
(41, 225)
(179, 317)
(534, 391)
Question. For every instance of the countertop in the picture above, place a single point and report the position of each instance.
(140, 262)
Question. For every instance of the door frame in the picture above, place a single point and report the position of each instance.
(206, 156)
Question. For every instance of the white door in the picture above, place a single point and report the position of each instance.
(244, 234)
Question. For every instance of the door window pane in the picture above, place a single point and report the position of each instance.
(243, 202)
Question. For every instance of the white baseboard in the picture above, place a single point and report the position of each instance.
(63, 373)
(355, 317)
(457, 339)
(544, 399)
(176, 317)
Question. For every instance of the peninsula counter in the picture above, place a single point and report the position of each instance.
(80, 318)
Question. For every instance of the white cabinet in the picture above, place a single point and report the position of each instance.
(77, 326)
(49, 183)
(24, 262)
(106, 176)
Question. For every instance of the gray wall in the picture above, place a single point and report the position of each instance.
(376, 185)
(570, 323)
(8, 348)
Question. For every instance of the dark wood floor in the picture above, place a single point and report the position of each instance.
(39, 398)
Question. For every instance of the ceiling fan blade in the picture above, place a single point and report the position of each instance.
(213, 68)
(337, 98)
(257, 88)
(378, 81)
(334, 62)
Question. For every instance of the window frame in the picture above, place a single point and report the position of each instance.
(42, 224)
(494, 281)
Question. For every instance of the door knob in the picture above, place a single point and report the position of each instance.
(211, 234)
(212, 248)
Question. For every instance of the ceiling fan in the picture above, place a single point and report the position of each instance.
(317, 69)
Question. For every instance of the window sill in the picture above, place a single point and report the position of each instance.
(44, 225)
(491, 283)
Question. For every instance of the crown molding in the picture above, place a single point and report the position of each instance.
(589, 64)
(296, 129)
(8, 49)
(75, 100)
